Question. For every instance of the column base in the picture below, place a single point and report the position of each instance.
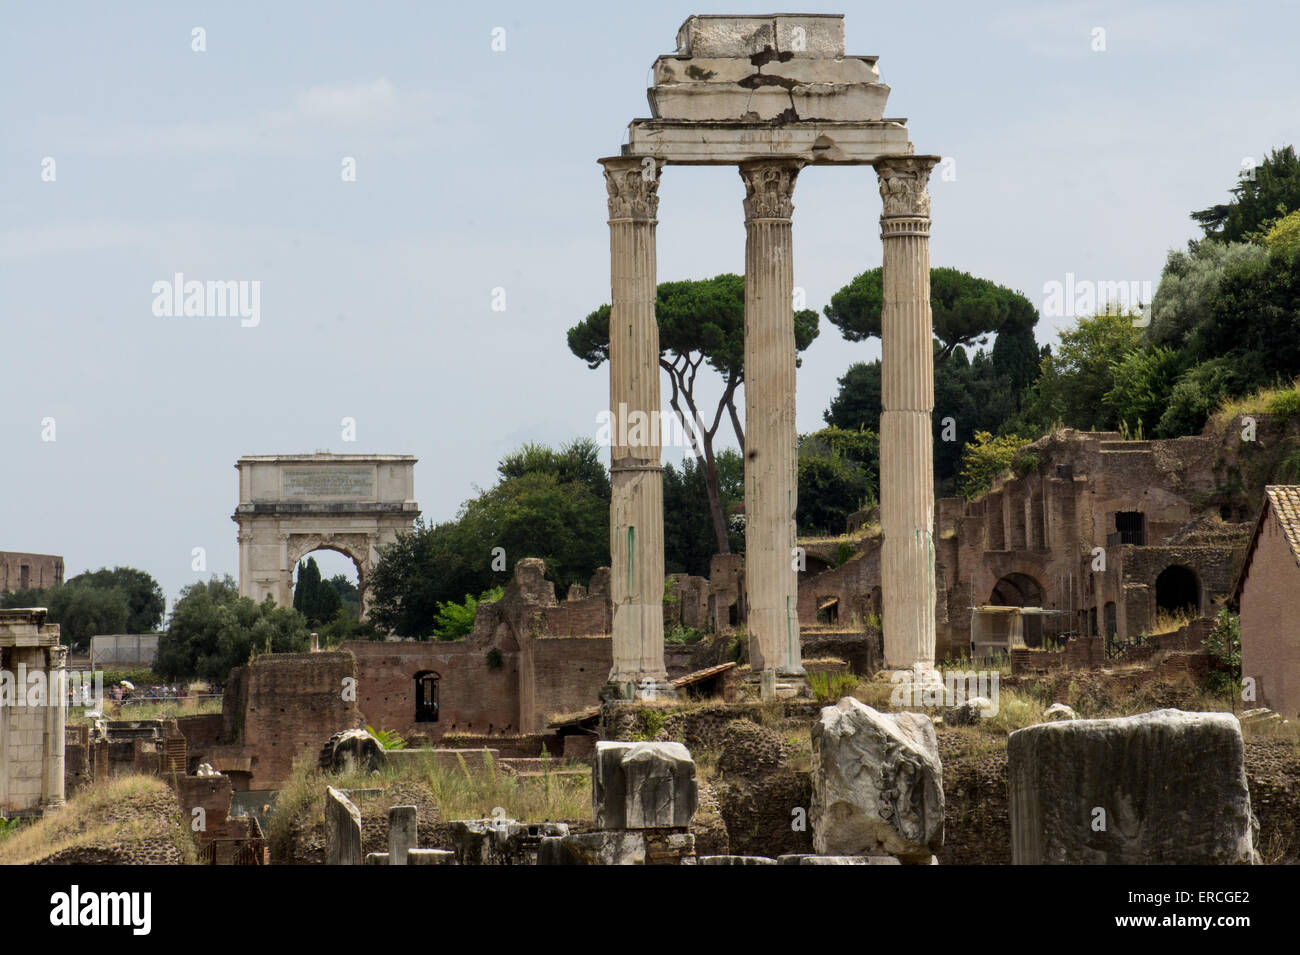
(772, 684)
(644, 690)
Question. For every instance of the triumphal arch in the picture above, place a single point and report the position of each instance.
(770, 95)
(293, 504)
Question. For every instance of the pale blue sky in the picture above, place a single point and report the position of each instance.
(476, 169)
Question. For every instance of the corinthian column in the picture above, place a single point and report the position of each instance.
(636, 513)
(56, 671)
(907, 399)
(771, 462)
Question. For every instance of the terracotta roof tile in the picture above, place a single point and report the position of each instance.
(1285, 500)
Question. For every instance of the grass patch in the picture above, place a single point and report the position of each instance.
(1282, 401)
(461, 791)
(828, 686)
(1170, 621)
(154, 710)
(122, 814)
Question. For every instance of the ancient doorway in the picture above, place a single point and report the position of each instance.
(426, 696)
(1178, 590)
(1017, 590)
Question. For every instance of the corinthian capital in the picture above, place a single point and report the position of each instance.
(769, 187)
(633, 186)
(903, 184)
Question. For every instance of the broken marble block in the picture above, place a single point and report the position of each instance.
(617, 847)
(877, 784)
(342, 829)
(501, 841)
(1160, 788)
(643, 786)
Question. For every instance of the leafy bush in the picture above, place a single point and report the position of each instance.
(683, 635)
(1224, 647)
(1285, 404)
(388, 739)
(456, 619)
(985, 459)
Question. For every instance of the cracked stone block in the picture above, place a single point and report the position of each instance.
(643, 786)
(621, 847)
(402, 833)
(1160, 788)
(793, 35)
(501, 841)
(877, 784)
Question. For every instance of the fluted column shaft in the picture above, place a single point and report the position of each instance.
(636, 542)
(52, 786)
(771, 454)
(907, 399)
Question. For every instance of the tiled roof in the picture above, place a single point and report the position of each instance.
(1285, 499)
(1283, 502)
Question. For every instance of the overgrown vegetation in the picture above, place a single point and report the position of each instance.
(829, 686)
(122, 815)
(460, 790)
(1223, 644)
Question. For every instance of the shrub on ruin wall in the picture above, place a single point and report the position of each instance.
(1224, 647)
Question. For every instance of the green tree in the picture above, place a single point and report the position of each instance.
(1076, 378)
(83, 611)
(689, 543)
(455, 619)
(970, 395)
(1260, 197)
(966, 309)
(701, 322)
(857, 404)
(145, 603)
(985, 459)
(1141, 385)
(1284, 236)
(349, 596)
(1255, 318)
(212, 630)
(305, 586)
(578, 462)
(1180, 308)
(560, 514)
(838, 469)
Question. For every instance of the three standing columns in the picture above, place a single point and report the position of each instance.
(771, 440)
(907, 399)
(636, 523)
